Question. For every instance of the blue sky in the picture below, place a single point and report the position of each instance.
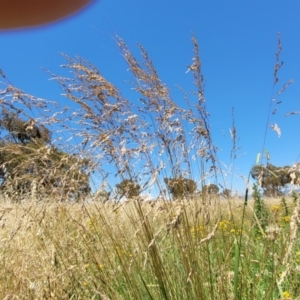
(238, 42)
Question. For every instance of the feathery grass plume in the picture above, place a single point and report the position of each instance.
(30, 161)
(108, 131)
(234, 148)
(166, 136)
(274, 102)
(180, 249)
(201, 134)
(146, 141)
(200, 119)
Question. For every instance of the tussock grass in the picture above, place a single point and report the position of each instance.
(141, 250)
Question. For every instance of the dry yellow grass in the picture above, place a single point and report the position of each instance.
(60, 251)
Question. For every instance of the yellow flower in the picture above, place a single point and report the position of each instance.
(197, 230)
(122, 251)
(91, 223)
(235, 231)
(286, 219)
(275, 208)
(286, 295)
(224, 225)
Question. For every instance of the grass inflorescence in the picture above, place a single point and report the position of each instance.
(142, 251)
(63, 238)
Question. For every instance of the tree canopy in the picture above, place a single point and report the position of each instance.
(128, 188)
(180, 187)
(272, 178)
(211, 189)
(29, 162)
(20, 131)
(226, 193)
